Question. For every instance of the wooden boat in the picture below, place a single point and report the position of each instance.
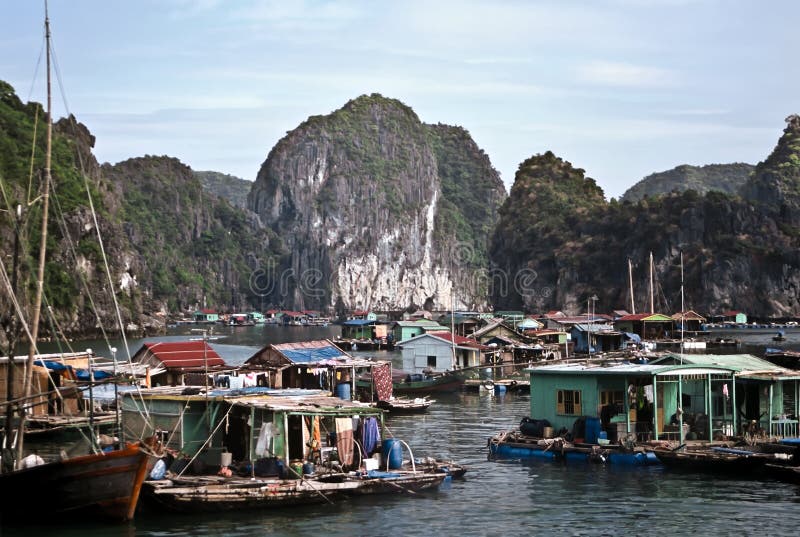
(229, 494)
(715, 459)
(784, 358)
(402, 405)
(412, 384)
(105, 485)
(782, 472)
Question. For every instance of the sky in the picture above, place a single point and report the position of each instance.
(619, 88)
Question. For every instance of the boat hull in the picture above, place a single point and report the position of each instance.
(520, 447)
(708, 461)
(105, 485)
(244, 494)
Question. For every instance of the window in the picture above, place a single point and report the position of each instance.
(431, 361)
(612, 397)
(569, 402)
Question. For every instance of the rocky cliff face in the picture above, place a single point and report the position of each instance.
(356, 196)
(738, 252)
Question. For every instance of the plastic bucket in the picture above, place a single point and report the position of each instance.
(547, 432)
(343, 391)
(308, 468)
(225, 458)
(592, 429)
(393, 453)
(296, 471)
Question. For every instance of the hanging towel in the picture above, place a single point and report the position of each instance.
(265, 436)
(344, 440)
(370, 435)
(306, 436)
(382, 377)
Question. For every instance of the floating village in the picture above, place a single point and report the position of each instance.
(177, 429)
(174, 426)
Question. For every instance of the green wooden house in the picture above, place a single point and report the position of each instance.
(205, 316)
(403, 330)
(262, 423)
(683, 397)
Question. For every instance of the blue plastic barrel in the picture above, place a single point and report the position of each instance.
(499, 389)
(308, 468)
(343, 391)
(602, 435)
(393, 452)
(592, 429)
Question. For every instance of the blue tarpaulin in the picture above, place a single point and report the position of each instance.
(633, 337)
(307, 356)
(83, 374)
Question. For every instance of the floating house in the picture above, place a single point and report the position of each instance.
(205, 316)
(677, 397)
(294, 318)
(439, 352)
(734, 317)
(250, 424)
(359, 329)
(317, 365)
(636, 402)
(596, 338)
(402, 330)
(176, 363)
(688, 321)
(766, 396)
(647, 326)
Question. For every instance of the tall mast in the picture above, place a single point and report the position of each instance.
(37, 304)
(453, 326)
(652, 306)
(683, 306)
(630, 280)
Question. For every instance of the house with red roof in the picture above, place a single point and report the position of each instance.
(177, 363)
(734, 316)
(646, 325)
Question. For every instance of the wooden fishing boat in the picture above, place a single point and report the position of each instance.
(233, 494)
(104, 485)
(782, 472)
(418, 384)
(402, 405)
(715, 459)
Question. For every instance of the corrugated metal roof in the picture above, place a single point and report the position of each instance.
(740, 362)
(358, 322)
(627, 369)
(307, 352)
(181, 354)
(646, 317)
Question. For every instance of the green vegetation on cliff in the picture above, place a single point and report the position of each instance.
(226, 186)
(170, 245)
(726, 178)
(196, 248)
(738, 252)
(472, 193)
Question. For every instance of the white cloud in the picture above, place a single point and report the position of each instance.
(620, 74)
